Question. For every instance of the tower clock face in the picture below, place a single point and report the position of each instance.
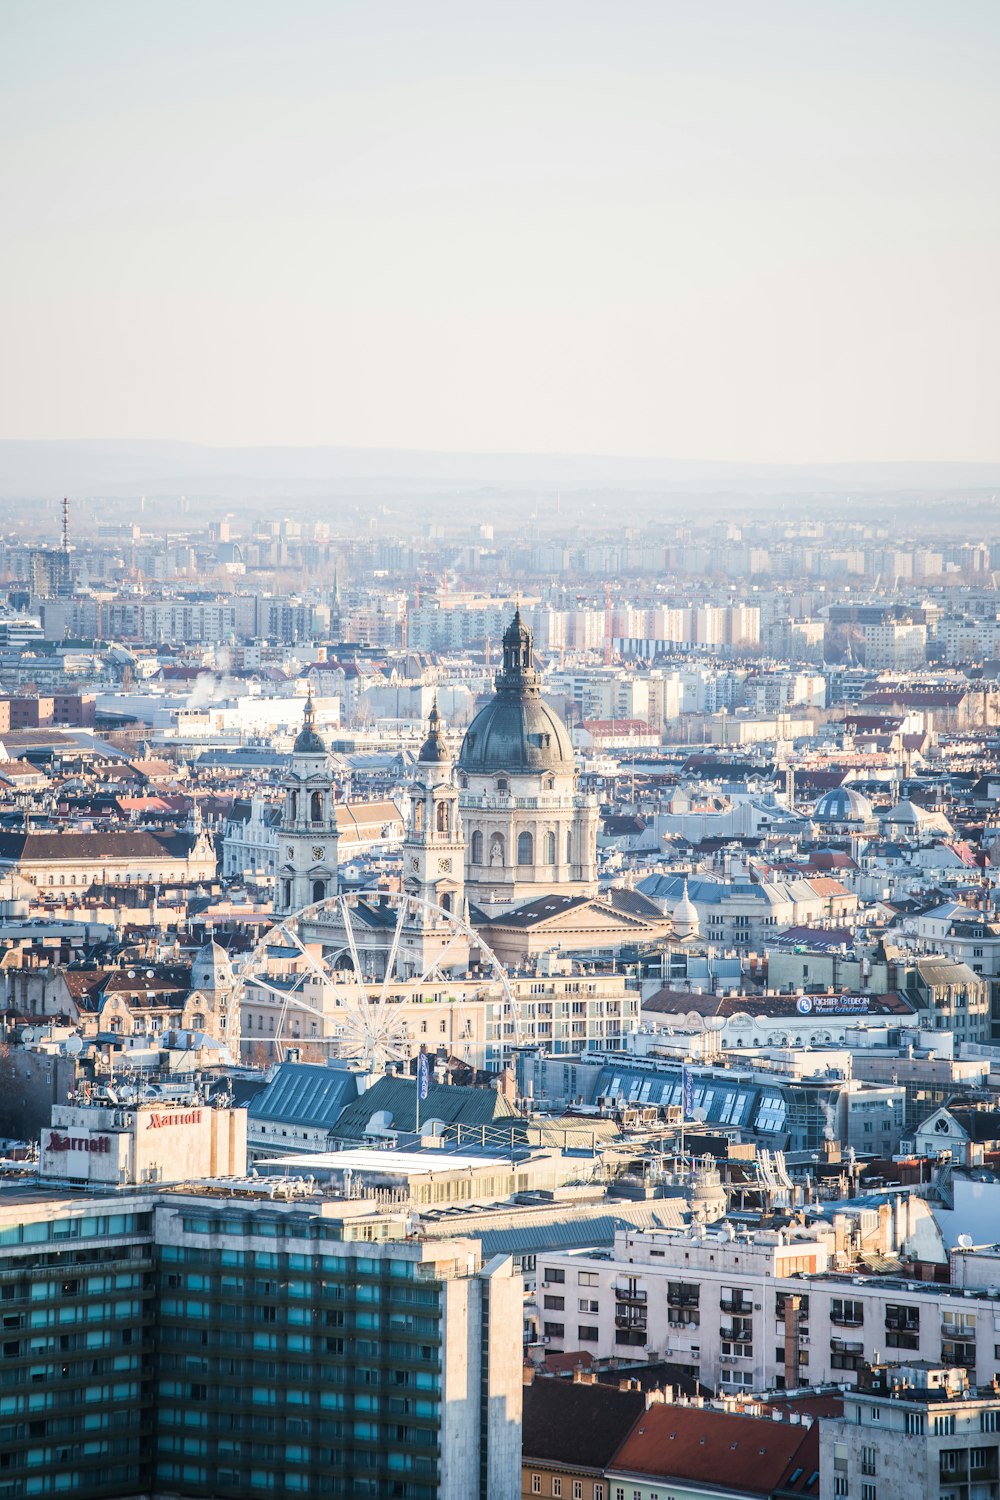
(318, 851)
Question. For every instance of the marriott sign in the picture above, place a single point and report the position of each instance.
(57, 1142)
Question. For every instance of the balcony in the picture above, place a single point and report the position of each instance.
(735, 1335)
(630, 1320)
(738, 1305)
(626, 1292)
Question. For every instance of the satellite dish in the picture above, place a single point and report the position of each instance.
(28, 1035)
(699, 1114)
(965, 1242)
(72, 1046)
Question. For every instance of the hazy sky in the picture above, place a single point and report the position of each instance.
(708, 230)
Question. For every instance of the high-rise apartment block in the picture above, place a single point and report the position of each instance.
(200, 1345)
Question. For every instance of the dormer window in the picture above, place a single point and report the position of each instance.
(503, 785)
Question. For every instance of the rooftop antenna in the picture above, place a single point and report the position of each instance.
(65, 524)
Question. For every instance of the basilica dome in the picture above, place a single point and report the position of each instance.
(517, 731)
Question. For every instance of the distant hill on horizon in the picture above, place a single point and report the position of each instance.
(31, 469)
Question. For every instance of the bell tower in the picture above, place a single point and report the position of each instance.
(434, 849)
(434, 857)
(307, 834)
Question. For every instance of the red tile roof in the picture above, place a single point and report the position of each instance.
(687, 1443)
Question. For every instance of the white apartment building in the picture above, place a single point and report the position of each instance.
(773, 1309)
(913, 1431)
(969, 639)
(745, 914)
(896, 644)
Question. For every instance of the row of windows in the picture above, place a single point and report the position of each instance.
(525, 848)
(556, 1487)
(112, 877)
(90, 1227)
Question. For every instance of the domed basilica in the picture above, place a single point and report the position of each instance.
(502, 838)
(528, 830)
(500, 828)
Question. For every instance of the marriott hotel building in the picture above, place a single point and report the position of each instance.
(213, 1341)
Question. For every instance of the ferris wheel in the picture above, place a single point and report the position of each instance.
(358, 966)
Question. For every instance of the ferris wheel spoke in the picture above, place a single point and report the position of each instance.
(352, 946)
(439, 958)
(393, 952)
(322, 974)
(279, 993)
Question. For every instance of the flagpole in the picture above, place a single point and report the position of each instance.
(423, 1083)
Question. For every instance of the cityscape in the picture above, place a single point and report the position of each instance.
(499, 944)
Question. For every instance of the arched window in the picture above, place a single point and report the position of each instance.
(503, 786)
(293, 804)
(446, 901)
(319, 890)
(286, 893)
(569, 846)
(550, 848)
(316, 807)
(476, 852)
(442, 817)
(418, 817)
(525, 849)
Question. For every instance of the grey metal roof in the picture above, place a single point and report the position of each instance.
(510, 1230)
(305, 1094)
(452, 1104)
